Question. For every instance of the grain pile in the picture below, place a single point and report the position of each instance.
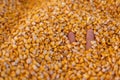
(34, 44)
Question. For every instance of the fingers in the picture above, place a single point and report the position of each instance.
(89, 37)
(71, 37)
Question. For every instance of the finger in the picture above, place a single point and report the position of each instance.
(89, 37)
(71, 37)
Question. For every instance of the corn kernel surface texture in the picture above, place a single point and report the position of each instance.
(34, 43)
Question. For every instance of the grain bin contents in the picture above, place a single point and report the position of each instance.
(34, 42)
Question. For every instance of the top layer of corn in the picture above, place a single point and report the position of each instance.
(34, 43)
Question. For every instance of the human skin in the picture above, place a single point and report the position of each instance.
(89, 37)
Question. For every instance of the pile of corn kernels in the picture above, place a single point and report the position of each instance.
(34, 44)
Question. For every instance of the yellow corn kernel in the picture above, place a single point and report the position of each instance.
(13, 74)
(1, 78)
(31, 49)
(34, 41)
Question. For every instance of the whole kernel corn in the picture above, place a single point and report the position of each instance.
(34, 41)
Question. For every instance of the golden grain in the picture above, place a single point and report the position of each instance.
(34, 41)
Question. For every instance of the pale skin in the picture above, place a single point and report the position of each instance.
(89, 37)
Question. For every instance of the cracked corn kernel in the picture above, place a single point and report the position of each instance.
(34, 42)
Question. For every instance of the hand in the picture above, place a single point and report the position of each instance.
(89, 37)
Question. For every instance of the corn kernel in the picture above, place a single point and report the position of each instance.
(34, 41)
